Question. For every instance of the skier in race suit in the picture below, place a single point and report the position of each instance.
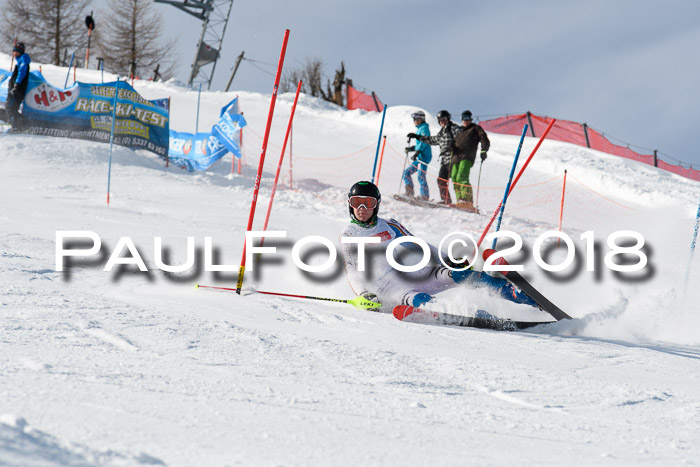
(380, 282)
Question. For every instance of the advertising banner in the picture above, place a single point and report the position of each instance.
(84, 111)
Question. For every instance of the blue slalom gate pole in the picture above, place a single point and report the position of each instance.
(199, 95)
(692, 247)
(69, 67)
(379, 142)
(111, 138)
(510, 180)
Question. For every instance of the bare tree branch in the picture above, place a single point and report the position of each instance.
(131, 42)
(47, 27)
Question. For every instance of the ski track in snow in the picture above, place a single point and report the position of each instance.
(131, 368)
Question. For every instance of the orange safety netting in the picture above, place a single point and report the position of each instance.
(360, 100)
(535, 205)
(573, 132)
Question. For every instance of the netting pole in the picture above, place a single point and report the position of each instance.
(561, 208)
(69, 67)
(111, 138)
(196, 125)
(529, 121)
(258, 176)
(240, 159)
(167, 155)
(381, 158)
(544, 135)
(279, 165)
(510, 179)
(379, 142)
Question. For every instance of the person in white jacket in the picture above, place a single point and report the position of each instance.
(370, 273)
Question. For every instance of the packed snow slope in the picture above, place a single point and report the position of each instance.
(141, 368)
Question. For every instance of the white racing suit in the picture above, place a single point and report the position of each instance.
(394, 287)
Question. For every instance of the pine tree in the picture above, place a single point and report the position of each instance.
(47, 27)
(131, 42)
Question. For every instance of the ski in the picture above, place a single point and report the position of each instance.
(517, 280)
(414, 201)
(485, 321)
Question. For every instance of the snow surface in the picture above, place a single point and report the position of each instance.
(142, 368)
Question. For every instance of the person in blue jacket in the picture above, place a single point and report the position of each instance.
(17, 87)
(421, 158)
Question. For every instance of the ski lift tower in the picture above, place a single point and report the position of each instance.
(214, 15)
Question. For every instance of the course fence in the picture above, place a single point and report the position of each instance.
(582, 135)
(535, 205)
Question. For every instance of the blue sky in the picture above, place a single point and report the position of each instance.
(627, 68)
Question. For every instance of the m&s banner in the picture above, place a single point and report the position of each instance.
(84, 111)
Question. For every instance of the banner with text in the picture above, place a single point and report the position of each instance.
(84, 111)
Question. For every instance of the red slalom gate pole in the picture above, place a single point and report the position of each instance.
(512, 186)
(258, 176)
(291, 138)
(561, 208)
(279, 165)
(381, 159)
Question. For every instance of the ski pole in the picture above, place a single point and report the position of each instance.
(405, 161)
(478, 185)
(692, 247)
(358, 302)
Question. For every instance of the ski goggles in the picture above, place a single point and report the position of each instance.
(359, 201)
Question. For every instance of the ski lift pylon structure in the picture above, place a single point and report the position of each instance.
(214, 15)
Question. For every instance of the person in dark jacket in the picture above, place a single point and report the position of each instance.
(445, 139)
(17, 87)
(464, 156)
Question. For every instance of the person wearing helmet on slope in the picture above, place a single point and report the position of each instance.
(421, 158)
(382, 283)
(463, 158)
(17, 86)
(446, 140)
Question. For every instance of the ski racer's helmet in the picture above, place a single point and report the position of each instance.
(443, 114)
(368, 190)
(420, 115)
(467, 116)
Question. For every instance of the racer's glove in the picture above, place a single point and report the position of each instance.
(371, 297)
(483, 156)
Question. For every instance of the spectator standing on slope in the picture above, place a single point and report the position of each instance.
(421, 158)
(445, 139)
(17, 86)
(464, 156)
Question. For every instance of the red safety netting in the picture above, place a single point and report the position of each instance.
(573, 132)
(360, 100)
